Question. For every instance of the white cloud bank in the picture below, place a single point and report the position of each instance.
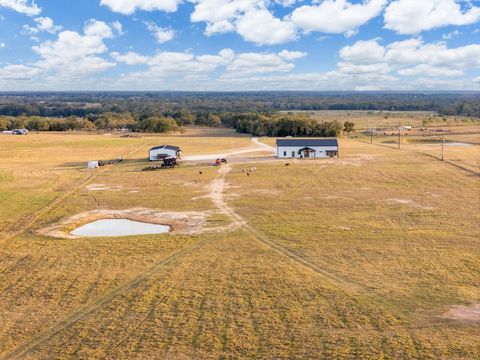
(336, 16)
(411, 57)
(128, 7)
(42, 24)
(26, 7)
(70, 58)
(256, 22)
(251, 19)
(162, 35)
(415, 16)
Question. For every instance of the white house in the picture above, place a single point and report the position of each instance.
(307, 148)
(164, 151)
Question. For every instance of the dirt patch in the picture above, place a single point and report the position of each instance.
(408, 202)
(103, 187)
(188, 222)
(460, 313)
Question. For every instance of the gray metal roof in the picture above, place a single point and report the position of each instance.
(307, 142)
(167, 147)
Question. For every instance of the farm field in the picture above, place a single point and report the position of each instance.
(375, 255)
(365, 120)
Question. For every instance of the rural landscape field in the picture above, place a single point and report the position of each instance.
(240, 179)
(372, 255)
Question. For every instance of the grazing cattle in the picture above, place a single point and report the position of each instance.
(200, 172)
(287, 164)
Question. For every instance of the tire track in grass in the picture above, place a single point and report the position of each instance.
(45, 210)
(43, 337)
(216, 194)
(218, 199)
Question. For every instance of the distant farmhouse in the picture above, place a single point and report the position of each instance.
(164, 151)
(307, 148)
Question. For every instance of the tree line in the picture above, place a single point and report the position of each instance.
(257, 124)
(151, 103)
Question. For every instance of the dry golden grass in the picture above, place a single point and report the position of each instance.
(355, 258)
(386, 119)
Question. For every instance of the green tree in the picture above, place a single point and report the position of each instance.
(348, 127)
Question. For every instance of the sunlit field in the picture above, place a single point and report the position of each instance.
(375, 255)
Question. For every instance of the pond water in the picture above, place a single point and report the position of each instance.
(456, 144)
(119, 227)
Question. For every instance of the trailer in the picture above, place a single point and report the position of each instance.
(168, 163)
(109, 162)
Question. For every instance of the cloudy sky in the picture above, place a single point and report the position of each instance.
(239, 45)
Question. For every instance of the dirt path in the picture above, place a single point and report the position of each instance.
(260, 147)
(216, 194)
(263, 145)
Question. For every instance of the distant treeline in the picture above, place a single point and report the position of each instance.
(258, 124)
(281, 125)
(143, 104)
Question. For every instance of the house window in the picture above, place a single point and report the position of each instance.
(284, 153)
(293, 154)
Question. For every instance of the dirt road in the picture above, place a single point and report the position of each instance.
(260, 147)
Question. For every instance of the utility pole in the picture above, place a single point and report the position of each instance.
(443, 147)
(399, 136)
(371, 136)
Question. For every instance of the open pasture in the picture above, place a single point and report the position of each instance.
(365, 120)
(373, 255)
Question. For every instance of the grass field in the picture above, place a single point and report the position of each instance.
(375, 255)
(387, 119)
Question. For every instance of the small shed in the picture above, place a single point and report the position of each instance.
(93, 164)
(163, 151)
(307, 148)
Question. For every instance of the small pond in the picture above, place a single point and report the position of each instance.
(119, 227)
(456, 144)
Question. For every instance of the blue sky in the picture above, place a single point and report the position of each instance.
(240, 45)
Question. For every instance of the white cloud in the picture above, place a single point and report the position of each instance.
(254, 63)
(130, 58)
(261, 27)
(292, 55)
(175, 69)
(22, 6)
(71, 56)
(42, 24)
(429, 70)
(128, 7)
(451, 35)
(336, 16)
(97, 29)
(363, 52)
(413, 16)
(18, 72)
(118, 27)
(412, 57)
(162, 35)
(251, 19)
(3, 45)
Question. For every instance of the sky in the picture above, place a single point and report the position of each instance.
(239, 45)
